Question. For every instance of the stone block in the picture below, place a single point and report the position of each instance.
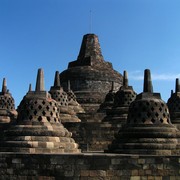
(16, 161)
(135, 172)
(115, 161)
(135, 178)
(141, 161)
(85, 173)
(98, 173)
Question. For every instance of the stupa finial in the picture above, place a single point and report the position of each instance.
(40, 80)
(172, 92)
(125, 79)
(4, 86)
(177, 88)
(57, 79)
(69, 85)
(147, 81)
(112, 86)
(30, 87)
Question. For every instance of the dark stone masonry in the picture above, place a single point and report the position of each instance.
(90, 125)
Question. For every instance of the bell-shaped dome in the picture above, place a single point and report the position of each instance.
(109, 100)
(7, 105)
(57, 93)
(174, 104)
(148, 129)
(122, 100)
(125, 95)
(38, 128)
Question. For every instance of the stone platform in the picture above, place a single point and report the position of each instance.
(88, 166)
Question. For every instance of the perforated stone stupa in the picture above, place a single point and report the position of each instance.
(148, 129)
(7, 105)
(38, 128)
(90, 75)
(122, 100)
(108, 101)
(67, 112)
(174, 105)
(72, 102)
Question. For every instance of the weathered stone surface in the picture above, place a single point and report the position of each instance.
(38, 128)
(88, 166)
(174, 105)
(100, 133)
(72, 102)
(90, 75)
(148, 129)
(67, 112)
(8, 112)
(122, 100)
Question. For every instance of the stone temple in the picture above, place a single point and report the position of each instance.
(90, 125)
(90, 75)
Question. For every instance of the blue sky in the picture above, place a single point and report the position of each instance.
(133, 34)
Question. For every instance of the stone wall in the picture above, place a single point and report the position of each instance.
(88, 167)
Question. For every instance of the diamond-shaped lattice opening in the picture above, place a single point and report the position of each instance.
(58, 93)
(30, 117)
(39, 107)
(50, 103)
(155, 103)
(35, 112)
(39, 118)
(160, 109)
(152, 109)
(55, 119)
(156, 114)
(48, 118)
(61, 103)
(161, 120)
(43, 102)
(47, 107)
(164, 115)
(43, 113)
(153, 120)
(51, 114)
(162, 104)
(35, 102)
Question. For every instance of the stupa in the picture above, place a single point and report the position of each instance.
(122, 100)
(108, 101)
(174, 105)
(148, 129)
(7, 106)
(90, 75)
(38, 128)
(72, 102)
(67, 113)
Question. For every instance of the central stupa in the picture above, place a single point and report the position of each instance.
(90, 75)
